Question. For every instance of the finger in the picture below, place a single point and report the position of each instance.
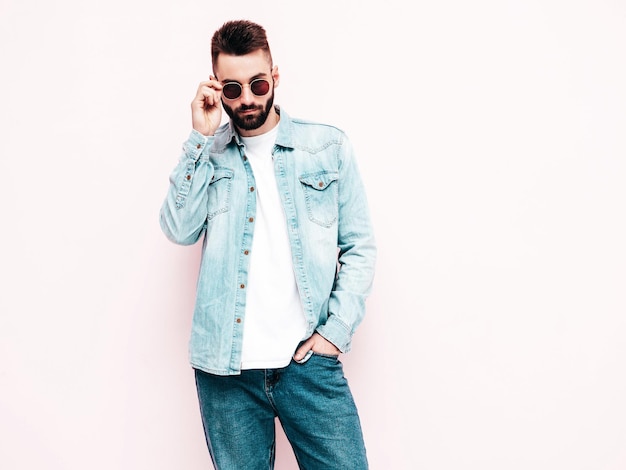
(304, 358)
(208, 102)
(211, 84)
(211, 95)
(206, 98)
(303, 350)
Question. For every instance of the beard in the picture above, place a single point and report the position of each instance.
(251, 121)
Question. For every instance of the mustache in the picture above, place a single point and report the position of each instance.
(244, 107)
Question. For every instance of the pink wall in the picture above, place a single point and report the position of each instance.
(491, 138)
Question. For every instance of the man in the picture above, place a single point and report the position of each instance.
(287, 262)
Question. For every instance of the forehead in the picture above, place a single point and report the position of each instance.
(242, 67)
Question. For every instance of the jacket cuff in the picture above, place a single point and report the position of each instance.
(337, 332)
(195, 145)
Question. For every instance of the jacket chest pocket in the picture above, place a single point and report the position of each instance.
(321, 196)
(219, 191)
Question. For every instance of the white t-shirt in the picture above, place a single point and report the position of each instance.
(274, 320)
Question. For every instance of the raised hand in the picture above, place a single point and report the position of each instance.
(206, 107)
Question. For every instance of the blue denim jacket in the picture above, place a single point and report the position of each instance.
(211, 195)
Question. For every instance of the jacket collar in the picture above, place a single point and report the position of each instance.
(228, 134)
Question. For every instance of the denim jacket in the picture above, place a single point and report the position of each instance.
(211, 195)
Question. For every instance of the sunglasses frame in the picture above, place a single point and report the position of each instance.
(248, 85)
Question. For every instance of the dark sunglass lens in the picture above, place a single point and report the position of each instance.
(260, 87)
(231, 90)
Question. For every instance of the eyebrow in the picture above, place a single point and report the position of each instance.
(254, 77)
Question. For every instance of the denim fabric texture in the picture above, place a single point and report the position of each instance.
(312, 401)
(211, 196)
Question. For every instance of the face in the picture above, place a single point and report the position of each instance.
(251, 114)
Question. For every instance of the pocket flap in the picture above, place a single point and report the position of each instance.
(319, 180)
(220, 173)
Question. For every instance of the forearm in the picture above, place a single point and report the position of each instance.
(346, 304)
(357, 258)
(183, 213)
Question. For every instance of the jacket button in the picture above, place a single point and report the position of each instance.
(320, 184)
(251, 219)
(188, 177)
(251, 188)
(246, 252)
(241, 286)
(198, 146)
(238, 320)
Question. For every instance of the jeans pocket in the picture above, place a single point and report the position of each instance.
(329, 357)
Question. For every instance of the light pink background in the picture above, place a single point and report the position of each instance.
(491, 136)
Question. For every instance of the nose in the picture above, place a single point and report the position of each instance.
(247, 97)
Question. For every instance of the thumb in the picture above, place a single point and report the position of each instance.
(303, 349)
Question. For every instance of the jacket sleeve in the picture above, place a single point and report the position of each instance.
(357, 256)
(183, 213)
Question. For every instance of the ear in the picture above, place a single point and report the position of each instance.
(275, 75)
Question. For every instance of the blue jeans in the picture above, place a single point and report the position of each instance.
(312, 401)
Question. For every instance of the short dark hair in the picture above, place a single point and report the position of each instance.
(239, 37)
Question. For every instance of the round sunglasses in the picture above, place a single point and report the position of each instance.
(233, 90)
